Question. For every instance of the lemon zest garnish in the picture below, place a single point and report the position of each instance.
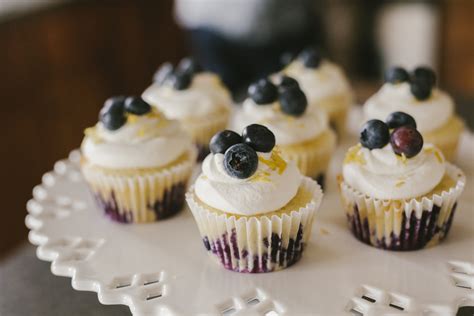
(92, 133)
(354, 155)
(132, 118)
(399, 183)
(275, 162)
(436, 152)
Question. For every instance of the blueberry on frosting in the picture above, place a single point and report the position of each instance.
(240, 161)
(180, 80)
(163, 73)
(374, 134)
(259, 138)
(112, 114)
(287, 83)
(398, 119)
(189, 65)
(310, 57)
(221, 141)
(263, 91)
(396, 75)
(425, 74)
(293, 102)
(420, 88)
(407, 141)
(137, 106)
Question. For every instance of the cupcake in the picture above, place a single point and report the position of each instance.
(302, 133)
(253, 208)
(398, 192)
(137, 163)
(417, 95)
(324, 84)
(196, 98)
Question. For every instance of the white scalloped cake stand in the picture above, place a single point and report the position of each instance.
(163, 268)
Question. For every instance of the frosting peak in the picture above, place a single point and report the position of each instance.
(205, 95)
(429, 114)
(145, 141)
(271, 187)
(382, 174)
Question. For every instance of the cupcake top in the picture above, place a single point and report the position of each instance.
(245, 174)
(283, 109)
(131, 134)
(187, 91)
(414, 94)
(392, 162)
(319, 78)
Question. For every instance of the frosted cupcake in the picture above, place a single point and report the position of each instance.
(302, 134)
(254, 209)
(136, 162)
(197, 99)
(416, 94)
(399, 193)
(324, 84)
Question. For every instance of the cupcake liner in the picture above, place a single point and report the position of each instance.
(141, 195)
(402, 224)
(202, 130)
(312, 157)
(261, 243)
(446, 138)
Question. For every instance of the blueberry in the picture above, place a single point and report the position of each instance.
(398, 119)
(180, 80)
(263, 91)
(221, 141)
(136, 105)
(163, 73)
(113, 105)
(259, 138)
(293, 102)
(396, 75)
(421, 89)
(374, 134)
(287, 58)
(189, 65)
(287, 83)
(425, 74)
(406, 140)
(240, 161)
(113, 121)
(310, 57)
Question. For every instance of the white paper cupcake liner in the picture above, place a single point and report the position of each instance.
(144, 196)
(257, 243)
(402, 224)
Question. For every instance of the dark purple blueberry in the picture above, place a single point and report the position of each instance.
(259, 138)
(263, 91)
(421, 89)
(374, 134)
(287, 83)
(293, 102)
(287, 58)
(163, 73)
(136, 105)
(189, 65)
(310, 57)
(221, 141)
(425, 74)
(399, 119)
(113, 105)
(180, 80)
(240, 161)
(406, 140)
(396, 75)
(113, 121)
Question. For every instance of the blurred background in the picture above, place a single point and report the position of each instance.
(60, 59)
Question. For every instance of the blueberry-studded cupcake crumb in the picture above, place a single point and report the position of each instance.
(399, 130)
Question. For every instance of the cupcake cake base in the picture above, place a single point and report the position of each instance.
(260, 243)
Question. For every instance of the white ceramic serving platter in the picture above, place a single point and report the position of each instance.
(163, 269)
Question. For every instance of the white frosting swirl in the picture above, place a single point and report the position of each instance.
(382, 174)
(319, 83)
(272, 186)
(146, 141)
(288, 129)
(204, 96)
(429, 114)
